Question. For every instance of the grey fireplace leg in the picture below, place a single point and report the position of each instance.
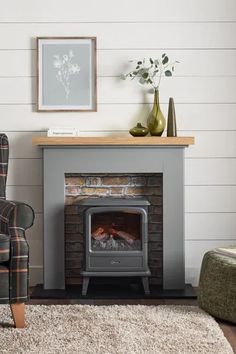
(145, 282)
(85, 285)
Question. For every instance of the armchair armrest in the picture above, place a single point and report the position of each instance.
(15, 218)
(15, 215)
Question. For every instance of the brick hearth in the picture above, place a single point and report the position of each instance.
(80, 186)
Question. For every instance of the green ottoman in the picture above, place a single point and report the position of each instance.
(217, 284)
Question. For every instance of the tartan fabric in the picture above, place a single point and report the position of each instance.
(4, 248)
(4, 284)
(15, 218)
(4, 153)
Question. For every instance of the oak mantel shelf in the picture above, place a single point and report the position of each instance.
(113, 141)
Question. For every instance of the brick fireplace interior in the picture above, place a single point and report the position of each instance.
(81, 186)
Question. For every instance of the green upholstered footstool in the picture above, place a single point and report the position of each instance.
(217, 284)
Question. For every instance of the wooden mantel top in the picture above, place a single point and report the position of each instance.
(113, 141)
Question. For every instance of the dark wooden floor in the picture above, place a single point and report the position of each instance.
(228, 329)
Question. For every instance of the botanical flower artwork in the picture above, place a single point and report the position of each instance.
(65, 68)
(66, 74)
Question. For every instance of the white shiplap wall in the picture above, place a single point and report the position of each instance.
(198, 33)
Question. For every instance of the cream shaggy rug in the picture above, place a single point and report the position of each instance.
(131, 329)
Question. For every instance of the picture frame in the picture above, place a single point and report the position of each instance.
(66, 74)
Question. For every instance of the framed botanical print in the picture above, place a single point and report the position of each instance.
(67, 74)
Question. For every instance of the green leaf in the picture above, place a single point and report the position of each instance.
(139, 63)
(168, 73)
(163, 55)
(137, 67)
(151, 61)
(165, 60)
(145, 75)
(142, 81)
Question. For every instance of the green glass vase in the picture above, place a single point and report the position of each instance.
(156, 121)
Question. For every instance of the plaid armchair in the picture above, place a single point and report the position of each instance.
(15, 218)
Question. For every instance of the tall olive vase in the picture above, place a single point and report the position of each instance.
(156, 121)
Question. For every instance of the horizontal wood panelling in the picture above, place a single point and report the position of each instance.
(210, 172)
(25, 172)
(194, 251)
(18, 63)
(118, 117)
(21, 90)
(36, 274)
(71, 10)
(191, 62)
(183, 89)
(217, 144)
(121, 35)
(35, 239)
(31, 195)
(37, 251)
(21, 145)
(114, 62)
(210, 199)
(17, 90)
(35, 233)
(205, 226)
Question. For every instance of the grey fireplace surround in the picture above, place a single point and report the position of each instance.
(166, 159)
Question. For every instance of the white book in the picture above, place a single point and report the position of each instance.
(63, 131)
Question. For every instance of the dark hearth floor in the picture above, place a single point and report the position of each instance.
(114, 289)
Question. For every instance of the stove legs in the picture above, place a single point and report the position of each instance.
(86, 279)
(85, 285)
(145, 282)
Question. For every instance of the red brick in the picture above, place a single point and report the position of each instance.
(75, 181)
(95, 191)
(155, 237)
(155, 200)
(116, 181)
(74, 281)
(72, 190)
(157, 227)
(74, 219)
(119, 191)
(73, 263)
(153, 218)
(155, 181)
(93, 181)
(139, 180)
(74, 247)
(155, 209)
(71, 209)
(69, 237)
